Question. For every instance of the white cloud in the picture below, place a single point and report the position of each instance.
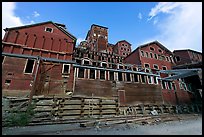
(140, 16)
(79, 40)
(182, 27)
(9, 19)
(36, 14)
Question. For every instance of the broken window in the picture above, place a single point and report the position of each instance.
(120, 77)
(8, 81)
(102, 74)
(142, 53)
(163, 84)
(156, 66)
(143, 79)
(92, 74)
(164, 68)
(128, 76)
(155, 80)
(146, 65)
(66, 68)
(173, 86)
(81, 73)
(149, 79)
(169, 85)
(94, 64)
(47, 29)
(111, 73)
(29, 66)
(136, 78)
(155, 56)
(78, 61)
(151, 56)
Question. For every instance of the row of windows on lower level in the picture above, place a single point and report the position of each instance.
(115, 76)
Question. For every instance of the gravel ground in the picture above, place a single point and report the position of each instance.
(183, 127)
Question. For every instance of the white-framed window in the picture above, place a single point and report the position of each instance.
(146, 65)
(29, 66)
(81, 73)
(136, 78)
(151, 48)
(167, 58)
(143, 78)
(149, 79)
(102, 75)
(103, 64)
(155, 56)
(92, 74)
(151, 55)
(164, 68)
(48, 29)
(66, 68)
(159, 50)
(155, 80)
(128, 77)
(8, 82)
(147, 54)
(86, 62)
(163, 84)
(156, 66)
(142, 53)
(173, 86)
(120, 76)
(111, 75)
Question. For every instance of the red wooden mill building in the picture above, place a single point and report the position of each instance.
(42, 59)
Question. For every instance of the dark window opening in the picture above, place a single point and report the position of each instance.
(147, 70)
(134, 69)
(92, 74)
(81, 73)
(178, 58)
(111, 75)
(114, 66)
(104, 65)
(78, 61)
(66, 69)
(2, 57)
(146, 65)
(160, 50)
(143, 79)
(147, 55)
(86, 62)
(136, 78)
(128, 76)
(29, 66)
(151, 48)
(49, 30)
(155, 80)
(120, 77)
(120, 67)
(102, 74)
(95, 64)
(149, 79)
(99, 57)
(8, 81)
(163, 85)
(173, 86)
(164, 68)
(155, 56)
(151, 56)
(156, 67)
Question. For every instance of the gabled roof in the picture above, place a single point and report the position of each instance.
(186, 50)
(98, 26)
(147, 44)
(123, 41)
(38, 24)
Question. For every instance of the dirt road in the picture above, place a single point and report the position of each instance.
(191, 126)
